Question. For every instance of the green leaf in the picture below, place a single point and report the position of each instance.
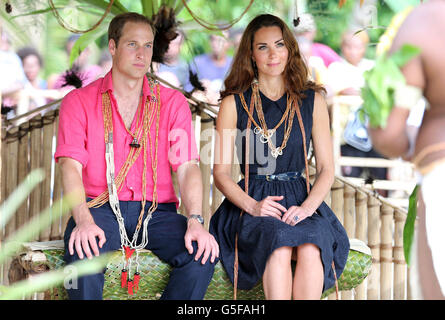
(116, 8)
(397, 5)
(10, 205)
(86, 39)
(381, 82)
(408, 229)
(37, 224)
(404, 54)
(32, 13)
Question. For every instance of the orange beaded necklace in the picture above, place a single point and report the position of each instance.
(141, 138)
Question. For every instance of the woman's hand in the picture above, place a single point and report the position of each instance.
(269, 207)
(290, 217)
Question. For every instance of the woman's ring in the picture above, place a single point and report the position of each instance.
(296, 218)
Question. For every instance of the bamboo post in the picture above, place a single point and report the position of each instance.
(176, 187)
(205, 154)
(399, 257)
(35, 158)
(23, 171)
(217, 197)
(361, 211)
(58, 226)
(337, 200)
(312, 174)
(349, 211)
(47, 157)
(374, 244)
(337, 203)
(11, 174)
(349, 223)
(386, 252)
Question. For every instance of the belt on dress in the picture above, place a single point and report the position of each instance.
(286, 176)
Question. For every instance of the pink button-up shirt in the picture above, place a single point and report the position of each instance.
(81, 137)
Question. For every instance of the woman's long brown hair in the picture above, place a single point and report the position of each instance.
(242, 71)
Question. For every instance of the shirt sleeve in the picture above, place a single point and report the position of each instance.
(182, 143)
(72, 137)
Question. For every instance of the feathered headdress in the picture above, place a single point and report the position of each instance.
(165, 24)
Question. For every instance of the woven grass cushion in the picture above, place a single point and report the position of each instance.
(155, 275)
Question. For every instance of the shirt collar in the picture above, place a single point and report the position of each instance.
(107, 84)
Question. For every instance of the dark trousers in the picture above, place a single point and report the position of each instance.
(373, 173)
(189, 279)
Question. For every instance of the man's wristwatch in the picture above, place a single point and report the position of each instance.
(197, 217)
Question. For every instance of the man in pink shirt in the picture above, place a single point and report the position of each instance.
(118, 139)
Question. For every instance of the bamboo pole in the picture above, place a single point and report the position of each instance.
(337, 200)
(400, 273)
(374, 244)
(337, 203)
(47, 158)
(361, 225)
(349, 223)
(386, 252)
(205, 154)
(23, 171)
(217, 198)
(58, 226)
(11, 175)
(349, 211)
(35, 158)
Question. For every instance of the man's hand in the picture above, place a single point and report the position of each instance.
(83, 238)
(207, 244)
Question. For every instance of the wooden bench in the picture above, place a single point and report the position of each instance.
(38, 257)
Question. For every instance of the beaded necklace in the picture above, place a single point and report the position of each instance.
(142, 132)
(266, 134)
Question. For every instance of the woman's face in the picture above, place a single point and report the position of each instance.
(353, 49)
(269, 51)
(31, 66)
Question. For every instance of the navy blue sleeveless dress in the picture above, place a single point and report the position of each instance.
(260, 236)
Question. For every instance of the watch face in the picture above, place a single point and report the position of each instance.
(197, 217)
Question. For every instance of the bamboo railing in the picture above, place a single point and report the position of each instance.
(364, 214)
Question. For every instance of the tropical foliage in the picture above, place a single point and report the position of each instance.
(14, 243)
(38, 22)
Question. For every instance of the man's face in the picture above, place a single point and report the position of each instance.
(219, 45)
(132, 56)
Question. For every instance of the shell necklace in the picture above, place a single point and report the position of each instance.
(265, 133)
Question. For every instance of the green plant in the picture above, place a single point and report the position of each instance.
(14, 242)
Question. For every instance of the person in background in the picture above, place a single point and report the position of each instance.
(213, 67)
(423, 28)
(32, 65)
(86, 71)
(308, 29)
(105, 62)
(175, 70)
(12, 77)
(345, 77)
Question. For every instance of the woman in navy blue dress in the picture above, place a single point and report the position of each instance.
(269, 92)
